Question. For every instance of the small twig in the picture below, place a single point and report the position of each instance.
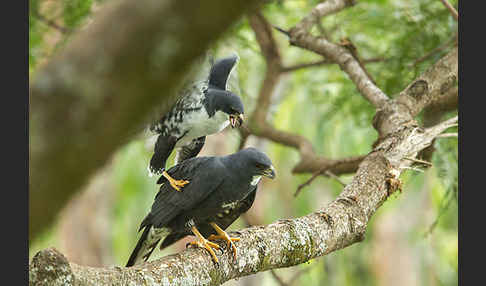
(298, 274)
(446, 135)
(451, 9)
(323, 31)
(324, 171)
(434, 51)
(412, 168)
(418, 161)
(49, 22)
(306, 65)
(451, 122)
(300, 187)
(323, 62)
(293, 279)
(287, 33)
(332, 175)
(279, 280)
(443, 208)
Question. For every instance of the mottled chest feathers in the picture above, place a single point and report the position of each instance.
(227, 208)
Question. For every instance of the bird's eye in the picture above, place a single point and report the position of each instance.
(260, 166)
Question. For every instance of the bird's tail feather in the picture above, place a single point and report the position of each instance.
(170, 239)
(146, 244)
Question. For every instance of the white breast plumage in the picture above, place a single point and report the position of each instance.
(200, 124)
(255, 180)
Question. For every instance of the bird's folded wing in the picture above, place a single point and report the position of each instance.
(190, 150)
(223, 222)
(192, 95)
(203, 176)
(241, 207)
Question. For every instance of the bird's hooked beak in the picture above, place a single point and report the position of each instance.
(269, 173)
(236, 120)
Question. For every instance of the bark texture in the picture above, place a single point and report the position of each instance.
(284, 243)
(341, 223)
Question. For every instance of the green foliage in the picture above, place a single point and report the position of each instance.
(445, 199)
(134, 196)
(322, 104)
(75, 11)
(68, 15)
(35, 34)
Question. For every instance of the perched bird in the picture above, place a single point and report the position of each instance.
(221, 189)
(205, 108)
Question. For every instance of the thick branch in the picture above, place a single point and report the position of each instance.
(290, 241)
(322, 9)
(441, 105)
(258, 124)
(432, 85)
(281, 244)
(442, 75)
(268, 46)
(96, 94)
(435, 111)
(344, 58)
(320, 164)
(300, 37)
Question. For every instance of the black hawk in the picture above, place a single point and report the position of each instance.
(205, 108)
(221, 189)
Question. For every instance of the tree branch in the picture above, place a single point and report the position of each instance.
(258, 124)
(49, 22)
(278, 279)
(432, 85)
(299, 36)
(92, 98)
(317, 174)
(268, 46)
(451, 9)
(441, 105)
(289, 242)
(324, 62)
(435, 50)
(322, 9)
(281, 244)
(435, 111)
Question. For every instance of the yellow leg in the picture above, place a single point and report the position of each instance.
(223, 235)
(204, 243)
(176, 184)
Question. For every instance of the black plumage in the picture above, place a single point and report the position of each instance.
(220, 190)
(205, 108)
(224, 220)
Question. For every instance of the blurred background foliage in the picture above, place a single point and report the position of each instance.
(411, 240)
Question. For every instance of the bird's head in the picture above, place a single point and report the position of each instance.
(257, 163)
(235, 111)
(230, 104)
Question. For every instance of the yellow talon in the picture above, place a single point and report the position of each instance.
(176, 184)
(224, 236)
(204, 243)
